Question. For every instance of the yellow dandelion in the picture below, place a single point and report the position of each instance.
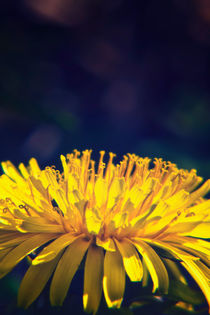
(135, 218)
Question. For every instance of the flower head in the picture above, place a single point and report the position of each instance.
(130, 218)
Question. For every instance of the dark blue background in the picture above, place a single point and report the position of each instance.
(120, 75)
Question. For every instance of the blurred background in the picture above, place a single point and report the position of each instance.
(120, 75)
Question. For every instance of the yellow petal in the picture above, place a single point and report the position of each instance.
(52, 250)
(34, 167)
(107, 244)
(177, 200)
(174, 251)
(174, 268)
(193, 246)
(200, 208)
(148, 185)
(6, 236)
(8, 224)
(93, 220)
(66, 270)
(75, 195)
(204, 269)
(4, 252)
(120, 220)
(115, 191)
(39, 187)
(200, 192)
(114, 279)
(186, 227)
(22, 250)
(202, 230)
(203, 243)
(155, 266)
(11, 171)
(60, 198)
(8, 189)
(23, 170)
(93, 279)
(13, 242)
(198, 276)
(196, 253)
(131, 260)
(73, 185)
(51, 178)
(137, 195)
(145, 277)
(100, 192)
(40, 225)
(65, 167)
(34, 282)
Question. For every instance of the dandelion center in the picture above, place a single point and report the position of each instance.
(121, 217)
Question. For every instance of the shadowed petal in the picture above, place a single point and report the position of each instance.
(34, 282)
(93, 279)
(66, 270)
(50, 252)
(114, 279)
(131, 260)
(155, 266)
(22, 250)
(199, 277)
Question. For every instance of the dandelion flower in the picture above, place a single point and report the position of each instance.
(134, 218)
